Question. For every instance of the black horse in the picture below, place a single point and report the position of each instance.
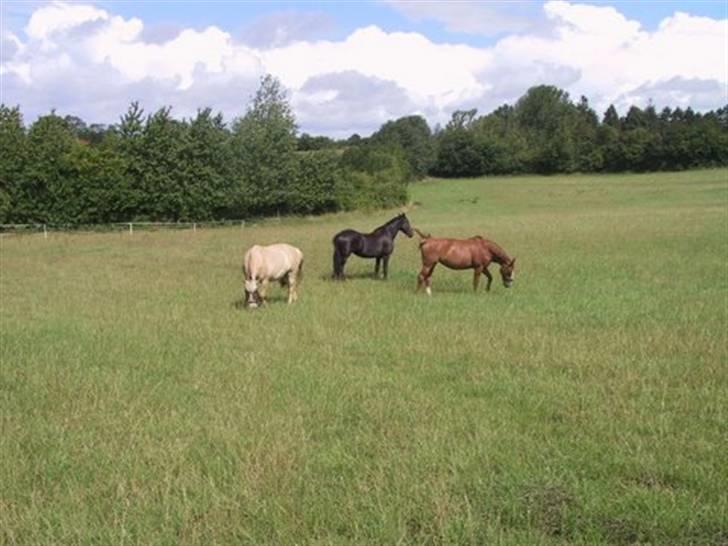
(378, 244)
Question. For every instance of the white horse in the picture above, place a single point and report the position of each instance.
(262, 264)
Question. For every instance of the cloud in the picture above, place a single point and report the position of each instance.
(285, 27)
(329, 102)
(699, 94)
(90, 62)
(58, 17)
(484, 18)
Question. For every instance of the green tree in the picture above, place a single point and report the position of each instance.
(209, 191)
(128, 141)
(264, 145)
(611, 117)
(13, 159)
(587, 155)
(545, 115)
(307, 143)
(42, 193)
(164, 182)
(414, 137)
(509, 149)
(93, 189)
(318, 183)
(374, 176)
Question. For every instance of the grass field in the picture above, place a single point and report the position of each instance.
(587, 404)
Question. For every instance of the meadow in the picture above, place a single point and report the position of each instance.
(587, 404)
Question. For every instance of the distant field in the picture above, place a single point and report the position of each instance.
(587, 404)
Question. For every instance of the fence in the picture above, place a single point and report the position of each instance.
(116, 226)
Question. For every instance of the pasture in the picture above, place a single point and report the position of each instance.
(586, 404)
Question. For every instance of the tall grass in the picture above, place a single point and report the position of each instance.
(587, 404)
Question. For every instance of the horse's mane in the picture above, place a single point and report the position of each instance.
(389, 222)
(500, 255)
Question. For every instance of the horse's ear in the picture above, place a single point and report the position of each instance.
(513, 262)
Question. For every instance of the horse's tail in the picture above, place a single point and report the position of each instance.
(299, 274)
(423, 236)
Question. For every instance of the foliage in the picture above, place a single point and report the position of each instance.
(545, 132)
(156, 167)
(14, 147)
(375, 176)
(414, 137)
(317, 183)
(264, 145)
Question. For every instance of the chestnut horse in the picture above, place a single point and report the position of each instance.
(474, 253)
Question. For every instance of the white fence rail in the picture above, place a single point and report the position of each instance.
(116, 226)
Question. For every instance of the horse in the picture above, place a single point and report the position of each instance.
(474, 253)
(262, 264)
(378, 244)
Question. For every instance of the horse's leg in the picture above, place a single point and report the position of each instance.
(339, 262)
(263, 290)
(425, 278)
(291, 287)
(386, 266)
(420, 279)
(376, 267)
(476, 278)
(428, 281)
(337, 266)
(489, 277)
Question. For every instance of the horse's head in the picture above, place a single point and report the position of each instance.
(252, 296)
(404, 226)
(508, 272)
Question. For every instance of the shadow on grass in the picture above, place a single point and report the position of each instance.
(350, 277)
(239, 303)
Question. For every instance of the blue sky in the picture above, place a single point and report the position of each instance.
(345, 17)
(351, 66)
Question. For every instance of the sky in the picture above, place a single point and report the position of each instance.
(349, 67)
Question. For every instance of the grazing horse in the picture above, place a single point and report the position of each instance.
(262, 264)
(474, 253)
(378, 244)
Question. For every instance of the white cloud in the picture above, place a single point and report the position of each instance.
(90, 62)
(425, 69)
(285, 27)
(487, 18)
(57, 17)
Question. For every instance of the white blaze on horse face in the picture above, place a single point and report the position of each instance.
(251, 290)
(251, 286)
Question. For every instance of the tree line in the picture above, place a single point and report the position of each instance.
(157, 168)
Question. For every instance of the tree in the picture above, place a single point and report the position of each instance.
(13, 160)
(459, 153)
(43, 191)
(207, 159)
(307, 143)
(611, 117)
(164, 179)
(264, 144)
(587, 155)
(413, 135)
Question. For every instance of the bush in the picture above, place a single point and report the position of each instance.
(317, 177)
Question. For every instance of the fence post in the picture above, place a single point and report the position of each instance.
(131, 228)
(194, 227)
(45, 232)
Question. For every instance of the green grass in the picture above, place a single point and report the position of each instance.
(587, 404)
